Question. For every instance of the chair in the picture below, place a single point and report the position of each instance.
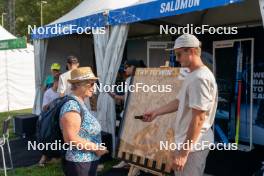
(5, 140)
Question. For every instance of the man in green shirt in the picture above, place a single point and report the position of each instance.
(55, 72)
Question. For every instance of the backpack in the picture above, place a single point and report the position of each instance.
(48, 128)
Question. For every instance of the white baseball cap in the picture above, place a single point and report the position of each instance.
(186, 41)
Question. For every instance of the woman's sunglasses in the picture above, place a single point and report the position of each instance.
(90, 84)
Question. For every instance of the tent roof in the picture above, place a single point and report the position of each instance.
(249, 13)
(90, 7)
(249, 16)
(90, 14)
(5, 35)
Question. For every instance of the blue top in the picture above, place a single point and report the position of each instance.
(90, 130)
(49, 81)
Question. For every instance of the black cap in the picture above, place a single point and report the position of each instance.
(72, 60)
(136, 63)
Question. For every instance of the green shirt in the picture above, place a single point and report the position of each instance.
(49, 81)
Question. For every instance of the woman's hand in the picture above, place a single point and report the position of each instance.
(101, 151)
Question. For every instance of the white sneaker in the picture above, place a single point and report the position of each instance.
(120, 165)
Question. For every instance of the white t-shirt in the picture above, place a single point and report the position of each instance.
(64, 86)
(199, 91)
(49, 96)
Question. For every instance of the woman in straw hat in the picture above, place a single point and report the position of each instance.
(80, 128)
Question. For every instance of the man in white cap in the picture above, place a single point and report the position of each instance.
(196, 105)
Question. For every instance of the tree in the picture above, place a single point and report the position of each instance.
(28, 12)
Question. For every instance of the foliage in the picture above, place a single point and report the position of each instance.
(27, 12)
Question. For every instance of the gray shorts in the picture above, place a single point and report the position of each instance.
(195, 164)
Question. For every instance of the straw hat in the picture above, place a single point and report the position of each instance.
(82, 74)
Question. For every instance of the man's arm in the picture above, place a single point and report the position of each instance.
(201, 99)
(168, 108)
(193, 132)
(117, 97)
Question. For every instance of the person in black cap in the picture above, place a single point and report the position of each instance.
(64, 88)
(130, 69)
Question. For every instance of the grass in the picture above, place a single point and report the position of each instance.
(4, 116)
(51, 169)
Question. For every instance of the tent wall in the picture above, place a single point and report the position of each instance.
(137, 49)
(255, 32)
(17, 79)
(3, 90)
(60, 48)
(258, 75)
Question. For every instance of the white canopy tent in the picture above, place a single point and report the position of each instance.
(17, 76)
(5, 35)
(144, 17)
